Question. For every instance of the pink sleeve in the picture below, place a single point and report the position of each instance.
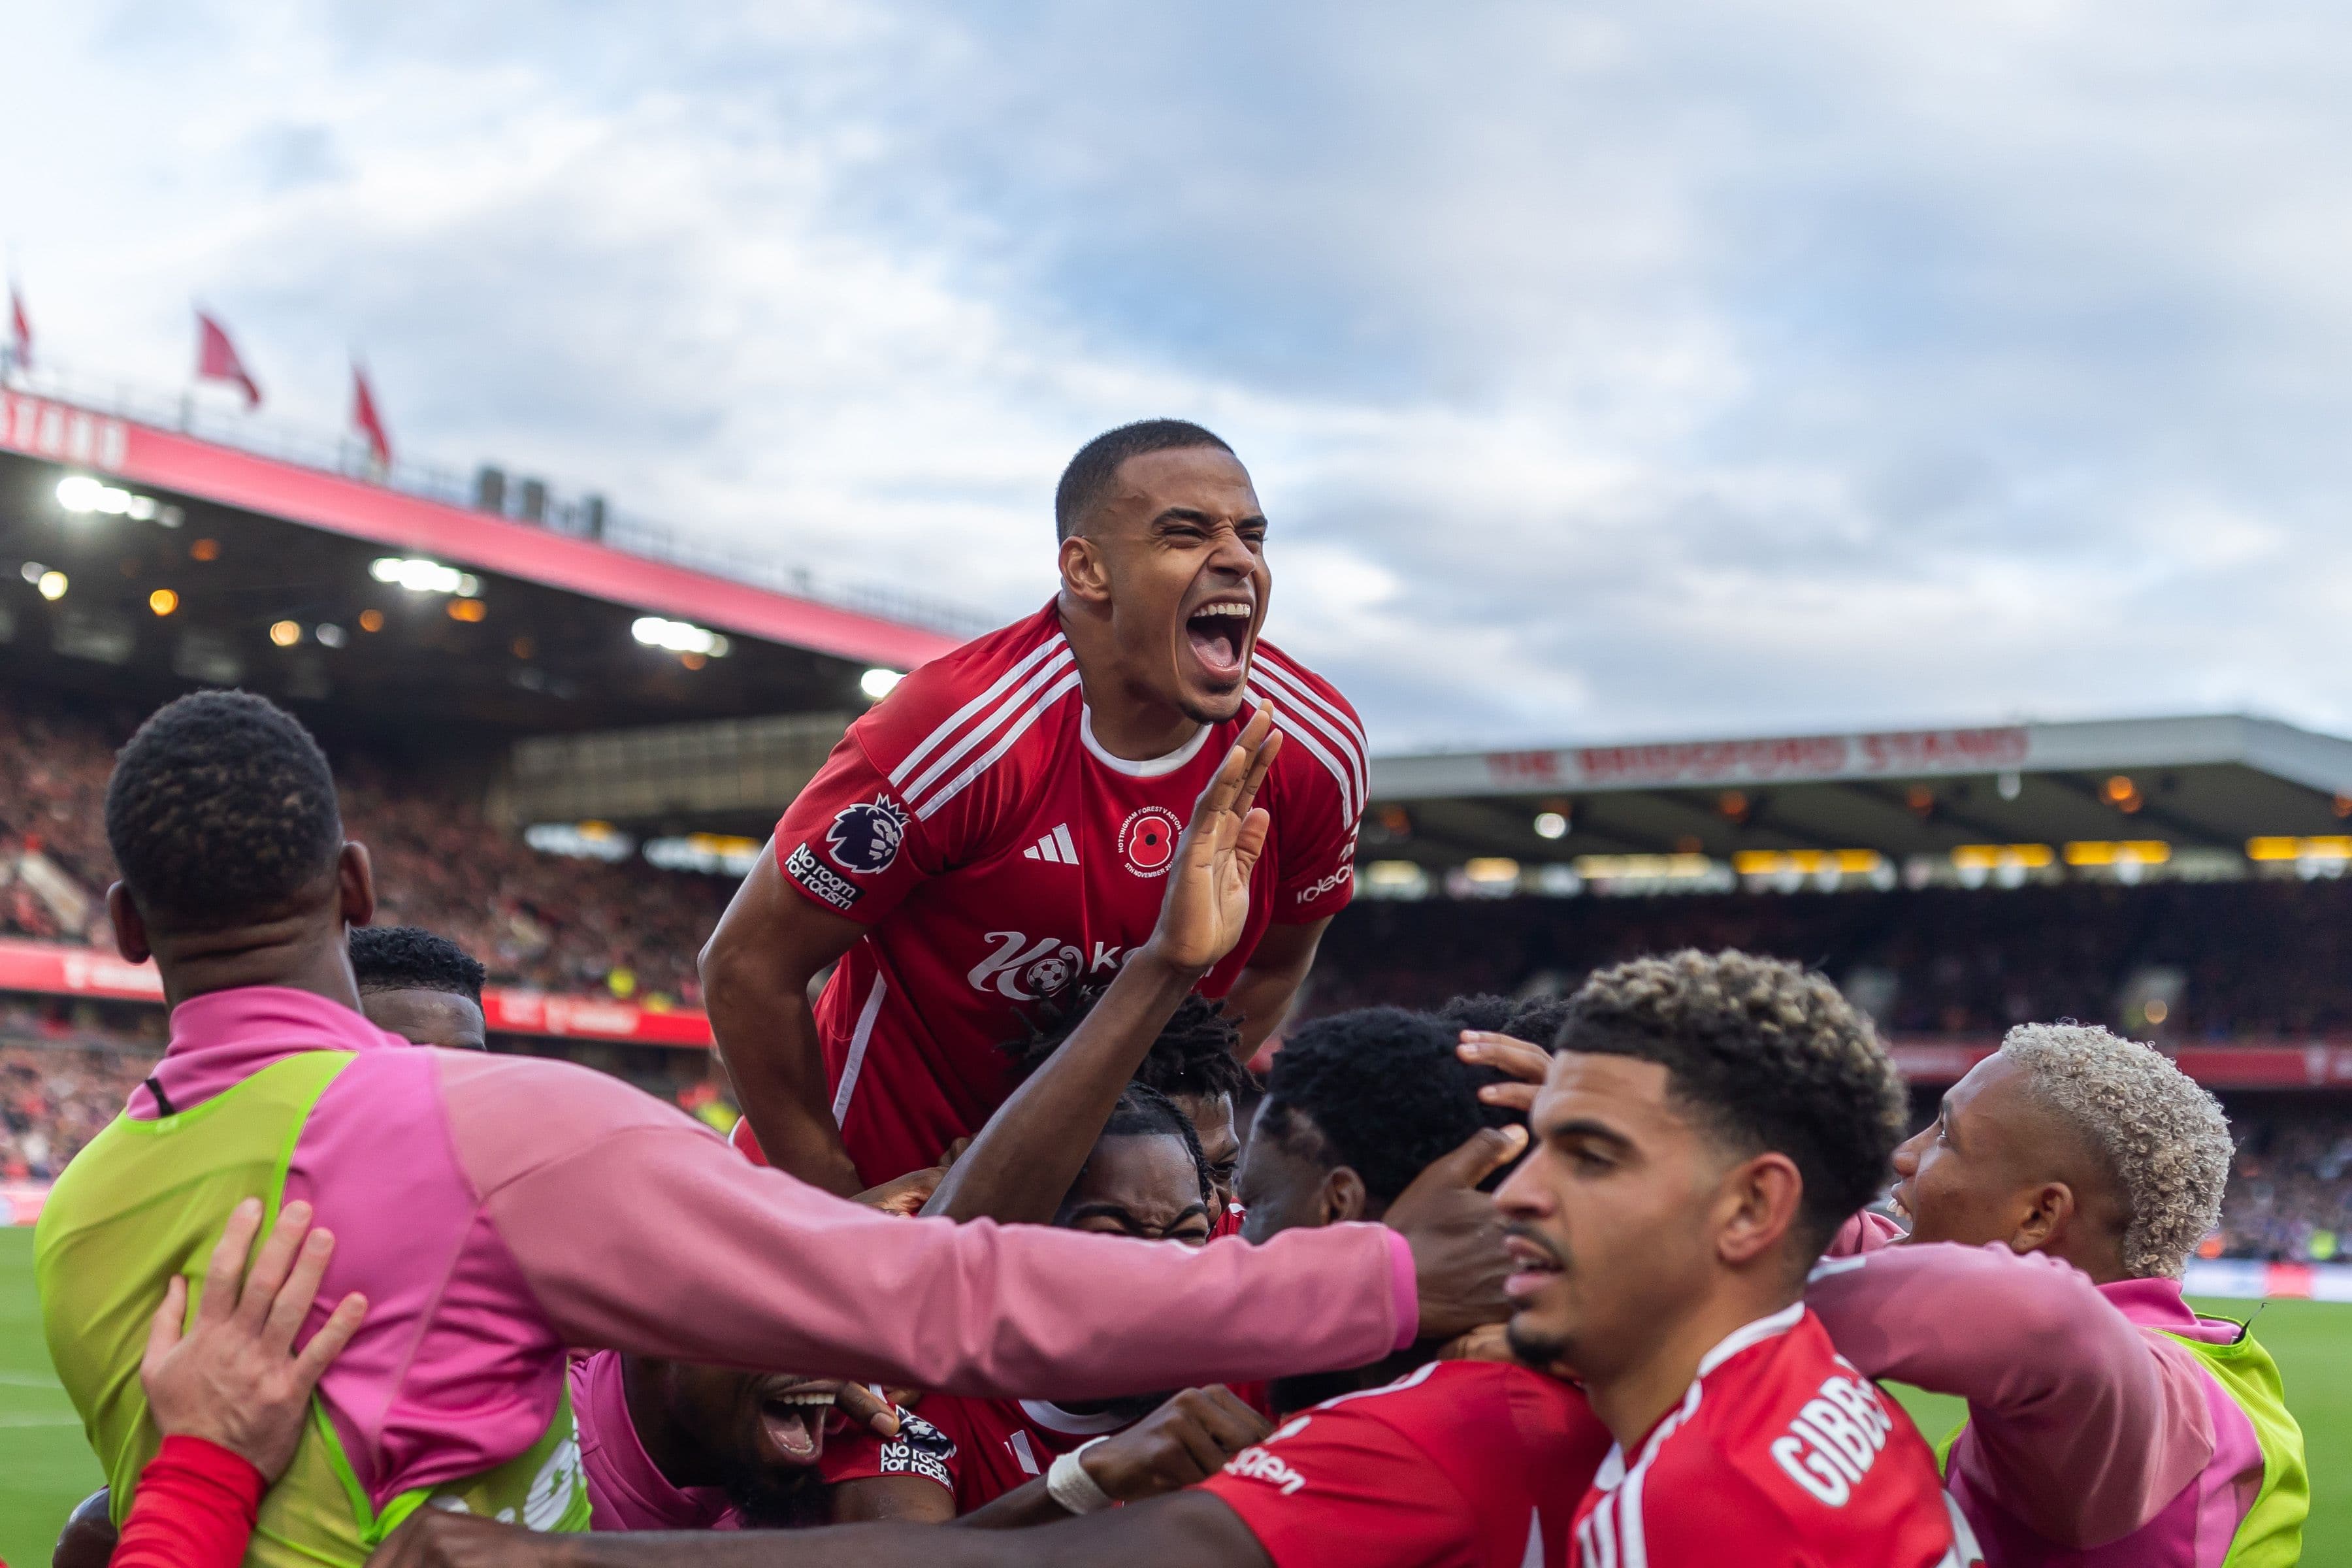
(1865, 1232)
(637, 1228)
(2084, 1427)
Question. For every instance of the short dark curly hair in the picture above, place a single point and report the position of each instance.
(1484, 1011)
(410, 958)
(1381, 1090)
(1088, 476)
(1768, 1056)
(1192, 1055)
(221, 811)
(1143, 1111)
(1538, 1021)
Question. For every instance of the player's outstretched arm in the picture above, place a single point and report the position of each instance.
(756, 971)
(1032, 1149)
(1185, 1531)
(2091, 1425)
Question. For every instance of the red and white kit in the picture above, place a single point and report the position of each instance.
(1780, 1454)
(1460, 1463)
(999, 856)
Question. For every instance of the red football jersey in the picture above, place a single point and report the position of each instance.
(978, 1450)
(1460, 1463)
(1782, 1448)
(998, 857)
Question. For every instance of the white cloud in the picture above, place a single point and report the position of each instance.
(1607, 371)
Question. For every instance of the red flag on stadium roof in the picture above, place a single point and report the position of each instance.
(20, 331)
(217, 359)
(367, 420)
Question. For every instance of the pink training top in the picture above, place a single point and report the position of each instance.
(626, 1489)
(496, 1209)
(2092, 1438)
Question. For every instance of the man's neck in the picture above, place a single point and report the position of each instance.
(296, 956)
(682, 1461)
(1127, 724)
(1631, 1400)
(1292, 1394)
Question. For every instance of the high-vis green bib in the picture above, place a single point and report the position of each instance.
(149, 1199)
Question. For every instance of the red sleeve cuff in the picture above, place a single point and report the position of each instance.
(202, 1460)
(1404, 1287)
(195, 1508)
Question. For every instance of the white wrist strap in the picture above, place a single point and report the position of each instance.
(1067, 1483)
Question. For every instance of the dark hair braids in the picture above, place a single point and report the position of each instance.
(221, 810)
(1193, 1054)
(1089, 477)
(1142, 1112)
(1769, 1056)
(1380, 1090)
(409, 957)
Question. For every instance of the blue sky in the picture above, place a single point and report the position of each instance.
(1607, 371)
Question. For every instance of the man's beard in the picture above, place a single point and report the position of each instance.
(1533, 1349)
(772, 1499)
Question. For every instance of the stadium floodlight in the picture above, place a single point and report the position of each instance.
(80, 494)
(419, 575)
(330, 634)
(678, 637)
(1550, 825)
(52, 586)
(162, 600)
(31, 571)
(285, 634)
(879, 683)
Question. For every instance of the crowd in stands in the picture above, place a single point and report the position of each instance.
(534, 920)
(2250, 961)
(2290, 1196)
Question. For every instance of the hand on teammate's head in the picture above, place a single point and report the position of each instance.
(234, 1378)
(1456, 1235)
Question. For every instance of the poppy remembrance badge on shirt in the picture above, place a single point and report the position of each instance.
(1146, 840)
(865, 838)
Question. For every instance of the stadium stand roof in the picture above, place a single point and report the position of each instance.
(2192, 794)
(236, 566)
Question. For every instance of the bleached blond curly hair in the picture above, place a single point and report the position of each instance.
(2164, 1137)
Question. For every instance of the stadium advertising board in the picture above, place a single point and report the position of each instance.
(52, 969)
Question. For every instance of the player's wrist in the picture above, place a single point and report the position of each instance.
(1155, 959)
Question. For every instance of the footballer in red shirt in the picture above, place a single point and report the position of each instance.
(995, 832)
(1706, 1124)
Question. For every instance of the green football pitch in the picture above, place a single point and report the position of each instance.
(45, 1467)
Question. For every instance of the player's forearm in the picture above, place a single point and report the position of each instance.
(766, 1034)
(2068, 1400)
(1024, 1508)
(614, 1232)
(1261, 993)
(1023, 1163)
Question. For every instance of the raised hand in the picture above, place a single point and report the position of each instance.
(1207, 902)
(1456, 1235)
(234, 1379)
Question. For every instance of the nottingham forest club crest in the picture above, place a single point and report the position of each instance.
(1146, 840)
(865, 838)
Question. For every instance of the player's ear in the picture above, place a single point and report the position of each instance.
(1757, 1206)
(2048, 1207)
(1085, 573)
(1344, 1197)
(130, 926)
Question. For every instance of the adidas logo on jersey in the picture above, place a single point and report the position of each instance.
(1055, 847)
